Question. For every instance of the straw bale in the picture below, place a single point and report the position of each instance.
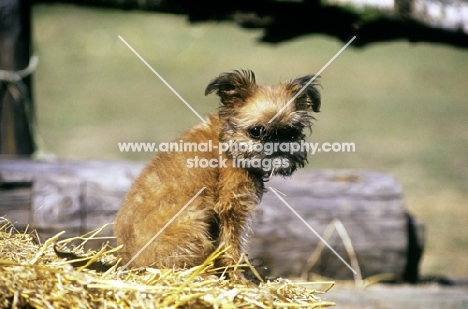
(32, 276)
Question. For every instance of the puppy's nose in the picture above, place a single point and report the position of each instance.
(285, 135)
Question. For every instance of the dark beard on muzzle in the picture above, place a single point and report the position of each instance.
(277, 164)
(289, 164)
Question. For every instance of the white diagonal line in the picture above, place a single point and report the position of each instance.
(313, 230)
(161, 230)
(312, 79)
(162, 79)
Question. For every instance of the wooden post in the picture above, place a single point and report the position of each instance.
(16, 105)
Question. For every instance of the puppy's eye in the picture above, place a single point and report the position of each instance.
(257, 132)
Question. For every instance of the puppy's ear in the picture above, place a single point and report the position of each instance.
(311, 91)
(233, 86)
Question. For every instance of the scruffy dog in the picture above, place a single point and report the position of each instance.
(247, 149)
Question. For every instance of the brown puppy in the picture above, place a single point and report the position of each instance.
(246, 149)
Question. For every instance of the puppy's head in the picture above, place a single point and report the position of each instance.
(264, 124)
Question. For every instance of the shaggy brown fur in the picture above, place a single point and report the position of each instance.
(220, 214)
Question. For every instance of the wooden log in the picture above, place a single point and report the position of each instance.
(75, 196)
(369, 205)
(78, 196)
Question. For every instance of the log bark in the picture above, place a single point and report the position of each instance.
(79, 196)
(75, 196)
(369, 205)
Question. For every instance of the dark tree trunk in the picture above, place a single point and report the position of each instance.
(16, 105)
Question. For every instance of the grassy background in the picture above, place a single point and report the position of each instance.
(405, 106)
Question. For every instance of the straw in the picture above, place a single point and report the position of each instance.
(32, 275)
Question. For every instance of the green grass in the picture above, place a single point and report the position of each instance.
(404, 105)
